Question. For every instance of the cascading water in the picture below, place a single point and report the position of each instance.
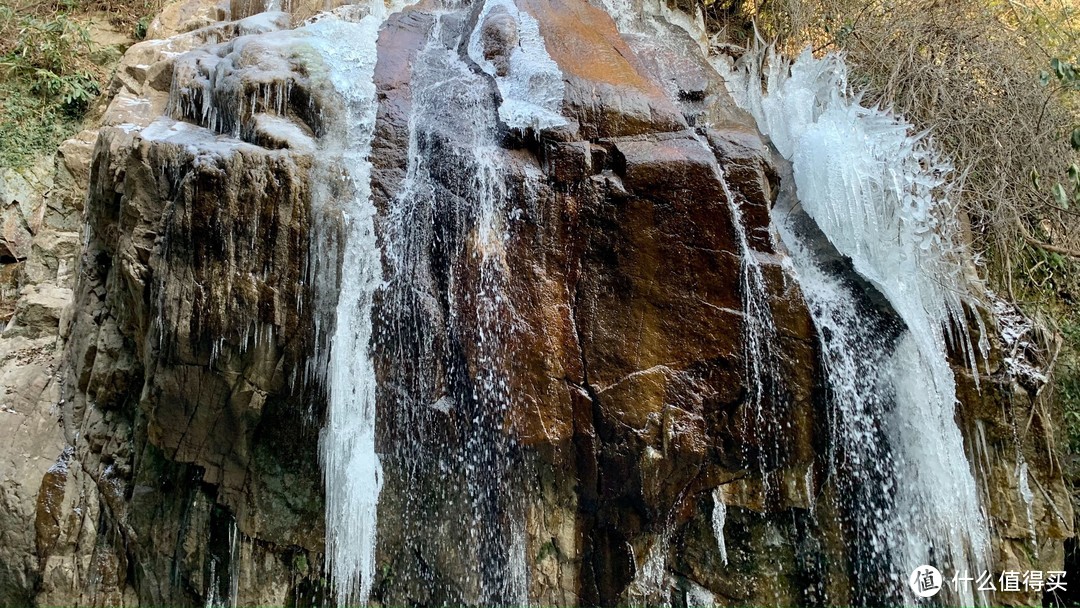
(559, 355)
(856, 345)
(427, 299)
(873, 188)
(445, 242)
(763, 375)
(346, 265)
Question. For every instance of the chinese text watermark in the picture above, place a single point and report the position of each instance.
(927, 581)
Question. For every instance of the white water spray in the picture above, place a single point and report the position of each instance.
(874, 189)
(455, 201)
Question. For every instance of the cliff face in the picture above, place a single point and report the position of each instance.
(570, 398)
(621, 335)
(41, 217)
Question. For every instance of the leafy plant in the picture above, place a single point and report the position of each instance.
(1065, 76)
(48, 80)
(142, 26)
(29, 127)
(1068, 393)
(300, 564)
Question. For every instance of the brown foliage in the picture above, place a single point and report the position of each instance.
(968, 71)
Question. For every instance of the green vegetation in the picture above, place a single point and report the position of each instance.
(1066, 78)
(1068, 388)
(45, 83)
(51, 71)
(29, 126)
(300, 564)
(141, 27)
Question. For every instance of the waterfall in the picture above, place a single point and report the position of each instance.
(855, 349)
(877, 193)
(446, 312)
(764, 379)
(352, 469)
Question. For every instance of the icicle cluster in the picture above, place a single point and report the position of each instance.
(878, 192)
(351, 466)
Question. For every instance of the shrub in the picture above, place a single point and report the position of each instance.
(47, 80)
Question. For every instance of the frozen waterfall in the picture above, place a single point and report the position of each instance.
(351, 465)
(876, 191)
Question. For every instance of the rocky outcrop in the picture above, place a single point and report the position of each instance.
(38, 254)
(124, 479)
(626, 349)
(1009, 431)
(563, 385)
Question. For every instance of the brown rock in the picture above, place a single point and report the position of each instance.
(567, 162)
(400, 39)
(746, 161)
(675, 61)
(498, 35)
(73, 160)
(608, 91)
(680, 165)
(38, 310)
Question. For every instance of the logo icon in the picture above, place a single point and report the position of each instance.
(925, 581)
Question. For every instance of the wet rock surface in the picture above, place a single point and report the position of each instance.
(164, 427)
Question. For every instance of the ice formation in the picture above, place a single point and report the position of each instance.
(351, 464)
(532, 86)
(876, 191)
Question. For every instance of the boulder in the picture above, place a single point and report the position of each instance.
(186, 15)
(38, 311)
(15, 234)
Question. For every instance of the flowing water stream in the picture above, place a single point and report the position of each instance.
(861, 178)
(445, 236)
(875, 190)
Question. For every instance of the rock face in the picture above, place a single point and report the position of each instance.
(165, 426)
(38, 254)
(1006, 421)
(622, 327)
(565, 375)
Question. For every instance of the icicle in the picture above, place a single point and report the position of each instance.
(532, 92)
(1028, 498)
(651, 577)
(698, 596)
(874, 190)
(351, 466)
(719, 520)
(234, 563)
